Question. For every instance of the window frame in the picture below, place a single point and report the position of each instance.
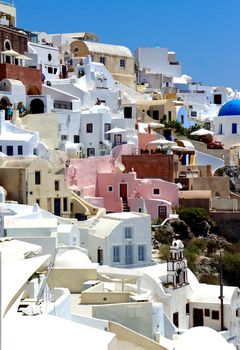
(128, 232)
(37, 175)
(122, 63)
(156, 194)
(89, 128)
(116, 257)
(142, 254)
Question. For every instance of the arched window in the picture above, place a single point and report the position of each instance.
(7, 44)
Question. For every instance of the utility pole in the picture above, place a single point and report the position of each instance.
(221, 293)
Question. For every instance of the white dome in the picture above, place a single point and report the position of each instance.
(72, 259)
(199, 338)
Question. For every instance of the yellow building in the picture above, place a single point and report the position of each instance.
(159, 110)
(117, 59)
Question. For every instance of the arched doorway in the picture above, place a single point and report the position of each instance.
(5, 102)
(37, 106)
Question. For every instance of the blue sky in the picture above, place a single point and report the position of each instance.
(204, 33)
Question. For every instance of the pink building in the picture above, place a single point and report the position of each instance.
(122, 191)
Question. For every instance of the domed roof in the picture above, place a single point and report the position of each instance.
(72, 259)
(230, 108)
(199, 338)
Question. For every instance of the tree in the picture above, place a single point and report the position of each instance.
(194, 218)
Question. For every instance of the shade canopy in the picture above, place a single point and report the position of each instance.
(11, 53)
(161, 142)
(115, 130)
(202, 132)
(23, 57)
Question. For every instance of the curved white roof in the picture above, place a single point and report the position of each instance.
(72, 259)
(202, 338)
(114, 50)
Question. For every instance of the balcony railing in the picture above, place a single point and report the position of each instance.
(62, 105)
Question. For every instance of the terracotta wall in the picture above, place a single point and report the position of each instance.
(150, 166)
(30, 77)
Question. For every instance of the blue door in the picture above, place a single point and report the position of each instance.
(128, 254)
(57, 206)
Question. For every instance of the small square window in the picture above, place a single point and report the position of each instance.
(102, 60)
(207, 312)
(156, 191)
(215, 315)
(110, 188)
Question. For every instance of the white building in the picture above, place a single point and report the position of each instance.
(158, 60)
(119, 239)
(227, 123)
(45, 55)
(15, 141)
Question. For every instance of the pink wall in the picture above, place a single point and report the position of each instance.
(82, 173)
(136, 190)
(143, 140)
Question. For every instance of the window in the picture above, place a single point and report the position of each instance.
(55, 70)
(10, 150)
(76, 138)
(50, 70)
(128, 112)
(107, 127)
(220, 129)
(141, 253)
(110, 188)
(89, 128)
(90, 152)
(128, 232)
(128, 254)
(156, 191)
(64, 137)
(122, 63)
(37, 178)
(49, 57)
(193, 113)
(187, 309)
(215, 315)
(217, 99)
(116, 254)
(182, 119)
(207, 126)
(207, 312)
(0, 148)
(20, 150)
(7, 45)
(56, 185)
(155, 115)
(175, 319)
(169, 116)
(234, 128)
(102, 60)
(38, 201)
(65, 204)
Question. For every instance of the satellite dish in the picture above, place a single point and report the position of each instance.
(121, 167)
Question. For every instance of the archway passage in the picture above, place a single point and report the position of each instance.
(5, 101)
(33, 90)
(37, 106)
